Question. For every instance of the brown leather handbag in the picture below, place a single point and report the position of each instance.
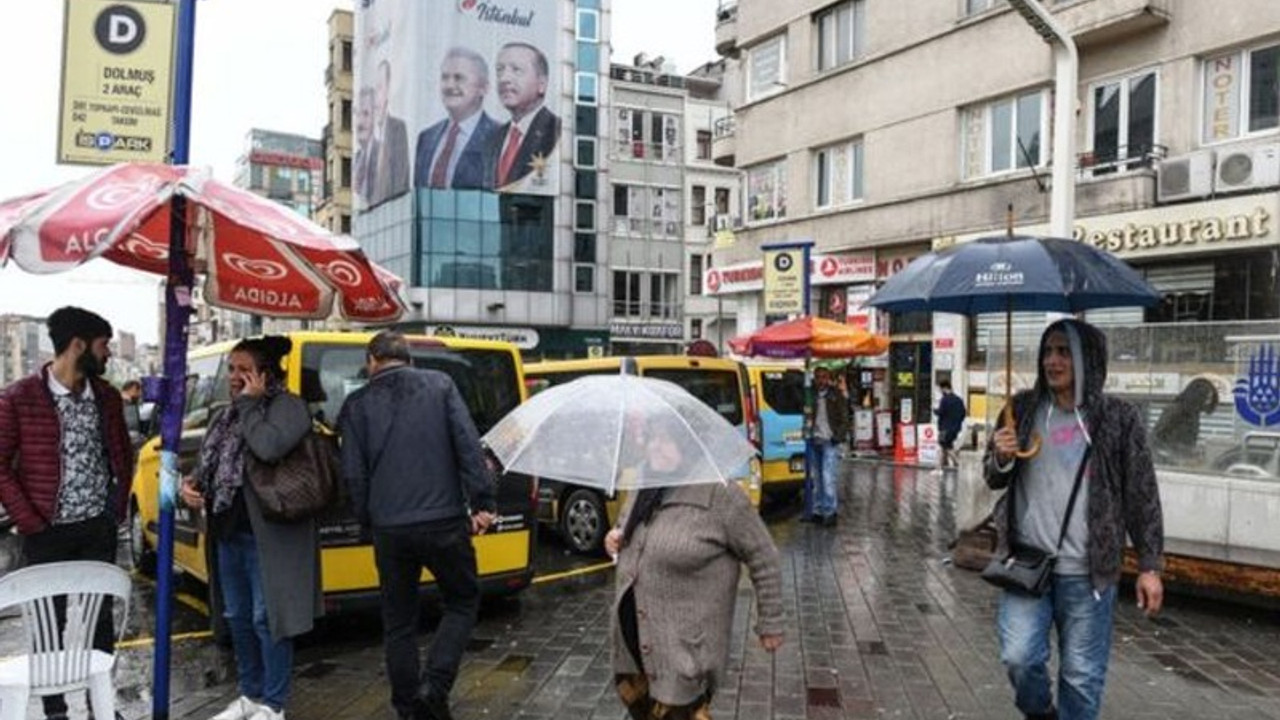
(303, 484)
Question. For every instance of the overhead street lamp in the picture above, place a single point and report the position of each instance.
(1062, 201)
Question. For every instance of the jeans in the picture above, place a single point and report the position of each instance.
(444, 548)
(1084, 620)
(263, 666)
(826, 463)
(93, 539)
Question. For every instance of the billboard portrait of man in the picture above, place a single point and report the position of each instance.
(524, 144)
(364, 134)
(387, 173)
(451, 153)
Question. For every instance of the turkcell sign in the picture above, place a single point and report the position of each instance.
(461, 95)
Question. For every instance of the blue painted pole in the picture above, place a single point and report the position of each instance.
(177, 311)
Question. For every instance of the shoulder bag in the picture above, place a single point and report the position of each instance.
(303, 484)
(1029, 570)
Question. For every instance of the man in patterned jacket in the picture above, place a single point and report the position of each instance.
(1070, 421)
(65, 458)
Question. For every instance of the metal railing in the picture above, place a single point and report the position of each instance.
(1121, 159)
(651, 152)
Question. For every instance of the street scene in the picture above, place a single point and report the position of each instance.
(663, 360)
(879, 624)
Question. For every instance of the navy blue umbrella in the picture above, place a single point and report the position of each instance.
(1014, 273)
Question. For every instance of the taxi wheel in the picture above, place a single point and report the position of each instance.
(143, 557)
(584, 522)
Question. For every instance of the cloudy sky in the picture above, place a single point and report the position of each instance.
(259, 63)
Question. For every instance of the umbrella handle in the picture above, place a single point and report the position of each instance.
(1008, 420)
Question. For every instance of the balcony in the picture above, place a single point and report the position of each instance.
(723, 144)
(336, 79)
(1093, 22)
(727, 28)
(1119, 160)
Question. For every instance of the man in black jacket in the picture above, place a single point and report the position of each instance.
(417, 476)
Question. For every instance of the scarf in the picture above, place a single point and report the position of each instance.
(647, 503)
(222, 454)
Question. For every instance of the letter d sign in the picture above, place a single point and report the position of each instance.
(119, 29)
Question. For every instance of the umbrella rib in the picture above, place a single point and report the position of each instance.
(617, 446)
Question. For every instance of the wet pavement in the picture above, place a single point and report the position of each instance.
(880, 625)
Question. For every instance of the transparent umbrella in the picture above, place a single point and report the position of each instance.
(596, 431)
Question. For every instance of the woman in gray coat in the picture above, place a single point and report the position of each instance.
(267, 574)
(680, 551)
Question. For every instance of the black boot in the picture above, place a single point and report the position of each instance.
(1051, 715)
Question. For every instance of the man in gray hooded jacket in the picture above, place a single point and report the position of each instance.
(1065, 414)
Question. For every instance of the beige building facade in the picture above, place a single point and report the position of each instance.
(334, 210)
(887, 129)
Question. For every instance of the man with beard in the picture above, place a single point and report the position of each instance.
(450, 153)
(65, 458)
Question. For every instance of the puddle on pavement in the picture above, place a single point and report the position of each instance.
(514, 664)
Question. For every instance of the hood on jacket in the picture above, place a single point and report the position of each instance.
(1088, 360)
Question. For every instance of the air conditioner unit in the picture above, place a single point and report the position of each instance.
(1247, 168)
(1187, 176)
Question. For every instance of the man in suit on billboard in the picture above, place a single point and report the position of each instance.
(450, 154)
(522, 146)
(388, 157)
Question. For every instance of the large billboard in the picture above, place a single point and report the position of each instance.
(117, 57)
(458, 94)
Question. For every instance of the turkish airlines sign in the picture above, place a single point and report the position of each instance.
(823, 270)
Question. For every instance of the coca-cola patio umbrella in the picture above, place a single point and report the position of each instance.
(256, 256)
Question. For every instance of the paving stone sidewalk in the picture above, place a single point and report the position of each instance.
(880, 625)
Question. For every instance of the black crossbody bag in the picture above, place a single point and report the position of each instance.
(1029, 570)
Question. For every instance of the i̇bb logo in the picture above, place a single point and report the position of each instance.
(467, 5)
(828, 267)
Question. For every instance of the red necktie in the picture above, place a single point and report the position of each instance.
(509, 155)
(441, 170)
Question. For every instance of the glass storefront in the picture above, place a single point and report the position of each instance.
(487, 241)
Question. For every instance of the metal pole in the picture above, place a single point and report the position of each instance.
(1062, 201)
(177, 313)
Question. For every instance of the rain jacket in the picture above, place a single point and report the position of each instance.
(410, 452)
(31, 450)
(1122, 491)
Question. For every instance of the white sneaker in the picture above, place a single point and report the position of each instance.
(242, 708)
(266, 713)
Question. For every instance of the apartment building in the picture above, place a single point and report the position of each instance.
(24, 346)
(334, 210)
(664, 187)
(881, 130)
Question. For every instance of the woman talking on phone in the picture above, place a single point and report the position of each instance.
(267, 574)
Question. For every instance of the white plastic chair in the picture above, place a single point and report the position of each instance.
(61, 659)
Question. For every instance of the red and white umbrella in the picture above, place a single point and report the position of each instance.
(257, 256)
